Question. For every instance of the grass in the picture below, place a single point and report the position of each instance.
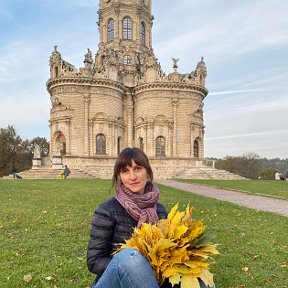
(45, 228)
(271, 188)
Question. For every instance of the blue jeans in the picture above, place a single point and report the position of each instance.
(129, 269)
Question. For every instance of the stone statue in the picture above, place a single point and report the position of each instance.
(175, 66)
(59, 147)
(138, 66)
(88, 57)
(37, 151)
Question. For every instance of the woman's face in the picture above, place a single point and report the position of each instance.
(134, 178)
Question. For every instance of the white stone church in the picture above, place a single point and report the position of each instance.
(122, 97)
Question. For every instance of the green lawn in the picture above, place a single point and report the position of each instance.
(44, 229)
(271, 188)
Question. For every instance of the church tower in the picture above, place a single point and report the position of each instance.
(125, 28)
(122, 97)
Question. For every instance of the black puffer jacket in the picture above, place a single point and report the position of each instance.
(111, 225)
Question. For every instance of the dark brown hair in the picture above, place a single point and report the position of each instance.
(125, 159)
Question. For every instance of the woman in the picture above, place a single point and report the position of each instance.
(135, 202)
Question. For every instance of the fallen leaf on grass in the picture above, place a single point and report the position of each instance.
(75, 279)
(49, 278)
(245, 269)
(27, 278)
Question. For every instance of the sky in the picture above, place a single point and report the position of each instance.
(244, 45)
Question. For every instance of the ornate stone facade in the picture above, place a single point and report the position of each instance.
(122, 97)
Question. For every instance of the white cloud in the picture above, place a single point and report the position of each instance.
(20, 112)
(276, 131)
(241, 29)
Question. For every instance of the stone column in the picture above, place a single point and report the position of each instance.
(191, 139)
(151, 139)
(130, 116)
(101, 29)
(113, 140)
(202, 145)
(52, 143)
(68, 138)
(137, 26)
(117, 25)
(150, 34)
(110, 141)
(175, 103)
(170, 139)
(86, 123)
(91, 137)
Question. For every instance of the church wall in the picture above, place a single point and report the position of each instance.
(106, 117)
(188, 103)
(107, 101)
(75, 102)
(177, 107)
(70, 98)
(149, 105)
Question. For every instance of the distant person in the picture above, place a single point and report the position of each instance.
(66, 172)
(15, 174)
(281, 177)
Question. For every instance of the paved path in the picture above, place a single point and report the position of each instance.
(251, 201)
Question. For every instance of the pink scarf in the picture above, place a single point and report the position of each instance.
(141, 207)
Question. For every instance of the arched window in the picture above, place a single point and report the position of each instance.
(196, 149)
(60, 143)
(110, 30)
(142, 33)
(127, 29)
(160, 146)
(141, 143)
(100, 144)
(102, 60)
(56, 72)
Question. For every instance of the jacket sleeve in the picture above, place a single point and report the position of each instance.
(100, 242)
(161, 211)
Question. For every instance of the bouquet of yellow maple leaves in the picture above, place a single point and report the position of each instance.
(176, 249)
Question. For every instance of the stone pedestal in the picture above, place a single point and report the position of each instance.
(36, 163)
(57, 162)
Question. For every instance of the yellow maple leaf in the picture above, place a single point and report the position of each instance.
(172, 212)
(189, 281)
(179, 231)
(195, 264)
(207, 277)
(169, 271)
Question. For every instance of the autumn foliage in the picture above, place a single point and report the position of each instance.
(176, 248)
